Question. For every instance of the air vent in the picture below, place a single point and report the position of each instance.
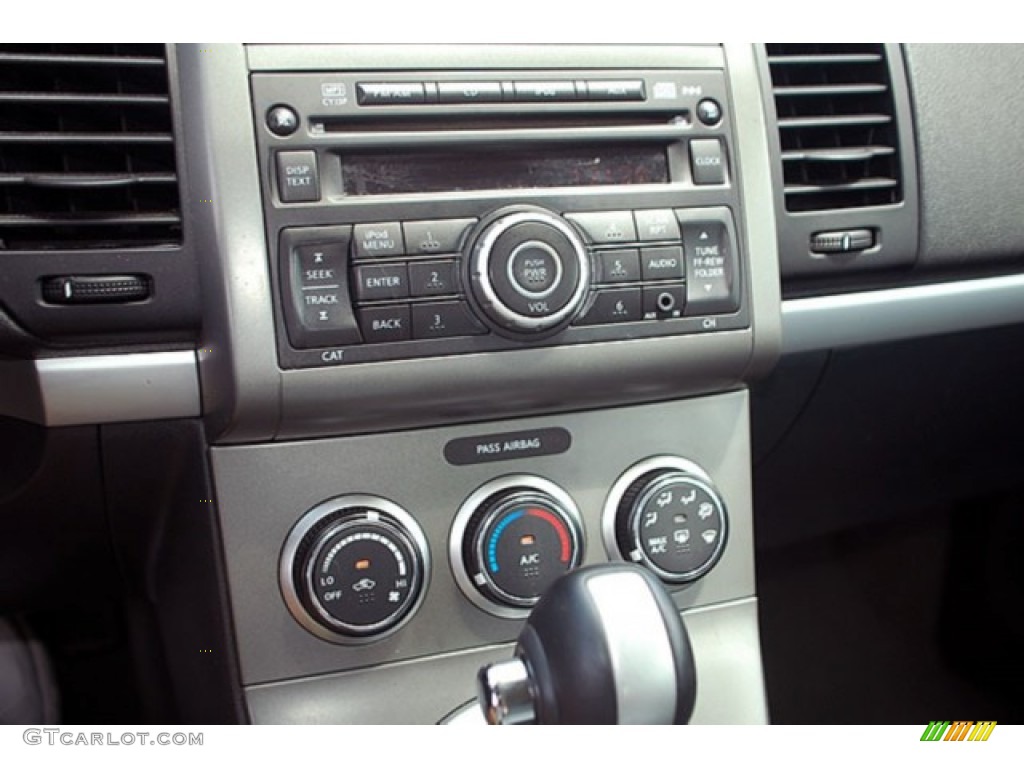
(837, 125)
(86, 148)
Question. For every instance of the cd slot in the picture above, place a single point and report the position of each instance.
(495, 122)
(666, 132)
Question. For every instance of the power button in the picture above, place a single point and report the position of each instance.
(534, 269)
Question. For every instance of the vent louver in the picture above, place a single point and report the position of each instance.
(837, 125)
(86, 148)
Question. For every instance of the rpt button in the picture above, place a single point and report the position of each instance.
(656, 224)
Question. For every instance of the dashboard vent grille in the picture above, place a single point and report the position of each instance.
(837, 125)
(86, 147)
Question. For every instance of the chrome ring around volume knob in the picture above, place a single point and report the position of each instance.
(529, 271)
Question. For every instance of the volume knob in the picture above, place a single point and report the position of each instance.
(529, 271)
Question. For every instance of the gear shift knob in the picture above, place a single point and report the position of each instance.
(604, 645)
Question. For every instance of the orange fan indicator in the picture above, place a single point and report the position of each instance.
(527, 540)
(362, 565)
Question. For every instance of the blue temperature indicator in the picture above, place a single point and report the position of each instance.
(492, 543)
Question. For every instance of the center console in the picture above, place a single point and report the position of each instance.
(486, 316)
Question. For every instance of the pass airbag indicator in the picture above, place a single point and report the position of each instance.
(503, 446)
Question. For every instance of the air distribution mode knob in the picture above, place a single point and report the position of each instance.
(529, 271)
(353, 568)
(666, 515)
(511, 540)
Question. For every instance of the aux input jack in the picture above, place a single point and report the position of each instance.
(666, 301)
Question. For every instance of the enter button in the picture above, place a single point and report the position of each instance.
(386, 281)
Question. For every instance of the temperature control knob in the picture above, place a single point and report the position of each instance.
(353, 569)
(511, 540)
(529, 271)
(666, 515)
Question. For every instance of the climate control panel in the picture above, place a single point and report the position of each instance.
(355, 568)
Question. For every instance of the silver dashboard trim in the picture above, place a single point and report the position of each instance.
(726, 650)
(263, 57)
(148, 386)
(238, 361)
(101, 389)
(871, 317)
(752, 169)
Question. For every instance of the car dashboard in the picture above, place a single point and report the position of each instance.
(320, 363)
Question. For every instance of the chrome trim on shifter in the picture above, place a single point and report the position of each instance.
(642, 658)
(505, 694)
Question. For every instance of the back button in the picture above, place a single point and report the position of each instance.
(385, 323)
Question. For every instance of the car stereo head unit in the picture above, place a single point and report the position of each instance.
(439, 213)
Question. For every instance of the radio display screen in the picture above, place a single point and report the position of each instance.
(411, 172)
